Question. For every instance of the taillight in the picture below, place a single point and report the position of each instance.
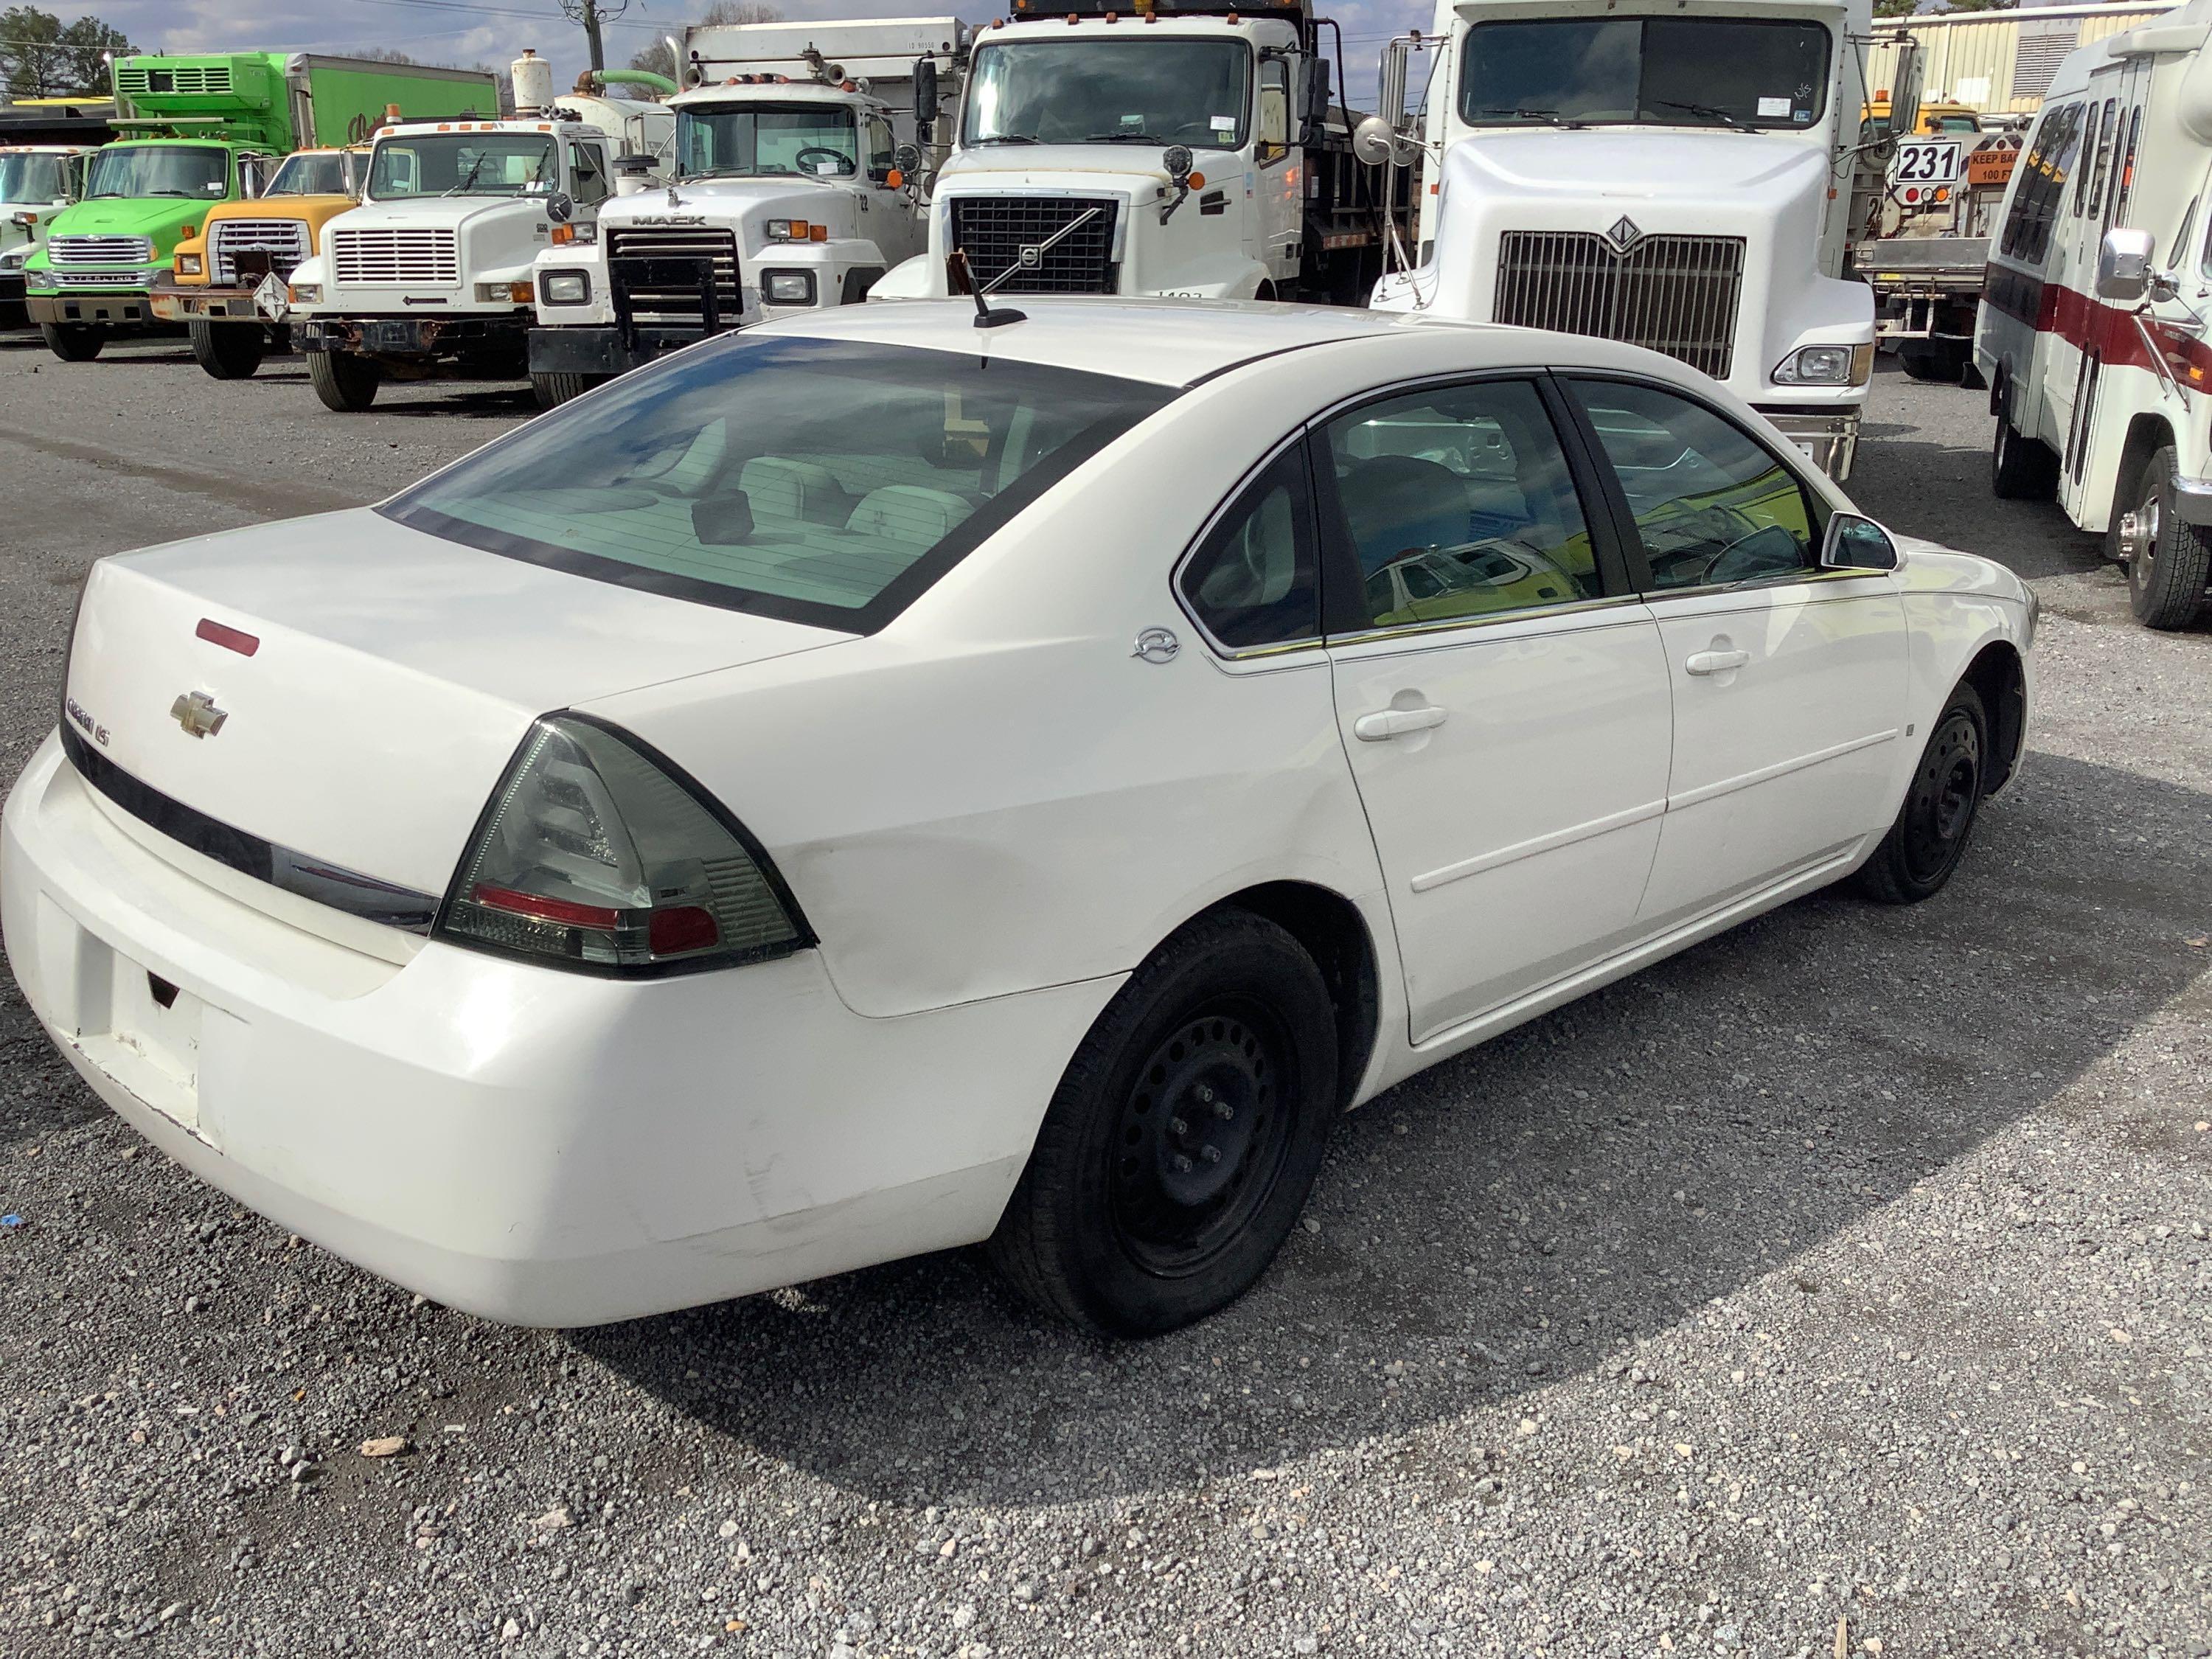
(598, 854)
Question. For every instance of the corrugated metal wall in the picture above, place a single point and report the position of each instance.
(1998, 60)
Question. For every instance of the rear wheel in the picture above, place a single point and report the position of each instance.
(229, 351)
(2020, 468)
(74, 342)
(1932, 360)
(554, 388)
(1916, 858)
(2168, 561)
(343, 381)
(1184, 1137)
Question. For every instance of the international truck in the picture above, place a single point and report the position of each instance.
(800, 153)
(198, 130)
(436, 267)
(45, 143)
(1200, 150)
(227, 284)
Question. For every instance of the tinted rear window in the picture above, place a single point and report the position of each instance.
(825, 482)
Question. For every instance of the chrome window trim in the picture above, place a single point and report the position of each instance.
(1468, 624)
(1803, 576)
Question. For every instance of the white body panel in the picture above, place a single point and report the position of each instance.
(19, 240)
(990, 811)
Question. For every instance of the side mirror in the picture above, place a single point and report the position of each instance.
(924, 92)
(560, 208)
(907, 158)
(1376, 142)
(1317, 99)
(1178, 161)
(2124, 268)
(1856, 543)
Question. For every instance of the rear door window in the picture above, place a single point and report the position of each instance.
(820, 481)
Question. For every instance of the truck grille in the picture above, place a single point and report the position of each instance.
(284, 241)
(396, 259)
(100, 250)
(993, 230)
(1673, 294)
(180, 78)
(662, 293)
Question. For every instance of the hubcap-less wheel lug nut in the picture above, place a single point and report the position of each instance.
(1183, 1164)
(1179, 1125)
(1211, 1154)
(1224, 1110)
(1205, 1093)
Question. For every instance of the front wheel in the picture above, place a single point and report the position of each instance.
(554, 388)
(343, 381)
(2168, 559)
(74, 342)
(1183, 1140)
(1916, 858)
(229, 351)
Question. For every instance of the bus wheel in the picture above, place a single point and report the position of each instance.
(2168, 559)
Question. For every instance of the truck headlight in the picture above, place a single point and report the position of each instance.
(305, 293)
(512, 292)
(788, 287)
(1816, 365)
(13, 260)
(188, 264)
(566, 288)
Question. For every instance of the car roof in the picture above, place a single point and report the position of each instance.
(1181, 342)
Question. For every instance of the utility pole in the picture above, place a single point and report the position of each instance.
(593, 14)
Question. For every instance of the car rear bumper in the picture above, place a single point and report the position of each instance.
(529, 1145)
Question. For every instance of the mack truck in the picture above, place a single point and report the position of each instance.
(1197, 149)
(1680, 174)
(45, 143)
(198, 130)
(437, 266)
(800, 148)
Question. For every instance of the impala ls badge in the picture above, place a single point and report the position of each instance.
(196, 712)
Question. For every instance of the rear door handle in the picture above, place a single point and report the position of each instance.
(1716, 662)
(1395, 722)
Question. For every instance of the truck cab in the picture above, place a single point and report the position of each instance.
(1666, 175)
(792, 190)
(1195, 152)
(226, 284)
(436, 265)
(37, 182)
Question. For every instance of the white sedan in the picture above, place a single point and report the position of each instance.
(874, 783)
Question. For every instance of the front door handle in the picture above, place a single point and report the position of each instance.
(1716, 662)
(1395, 722)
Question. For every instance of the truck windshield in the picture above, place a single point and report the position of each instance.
(27, 177)
(1653, 71)
(135, 171)
(312, 172)
(463, 164)
(828, 481)
(816, 140)
(1159, 91)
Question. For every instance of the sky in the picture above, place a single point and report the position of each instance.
(496, 31)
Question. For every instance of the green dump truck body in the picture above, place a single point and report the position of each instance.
(193, 131)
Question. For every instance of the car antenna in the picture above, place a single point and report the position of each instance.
(960, 278)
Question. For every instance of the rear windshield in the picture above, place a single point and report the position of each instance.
(819, 480)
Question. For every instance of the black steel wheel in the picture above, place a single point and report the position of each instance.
(1179, 1148)
(1921, 850)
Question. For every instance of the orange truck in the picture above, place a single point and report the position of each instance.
(227, 284)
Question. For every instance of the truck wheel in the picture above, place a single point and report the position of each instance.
(553, 389)
(2020, 468)
(1931, 360)
(2168, 559)
(343, 381)
(74, 342)
(1182, 1139)
(229, 351)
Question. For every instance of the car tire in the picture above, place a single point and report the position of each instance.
(345, 382)
(229, 351)
(1923, 848)
(556, 388)
(2020, 468)
(74, 342)
(2166, 577)
(1184, 1137)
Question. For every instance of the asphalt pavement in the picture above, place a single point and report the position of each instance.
(1839, 1287)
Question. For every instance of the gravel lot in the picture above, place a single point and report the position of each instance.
(1841, 1285)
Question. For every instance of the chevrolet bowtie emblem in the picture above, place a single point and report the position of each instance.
(196, 712)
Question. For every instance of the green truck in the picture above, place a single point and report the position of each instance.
(200, 129)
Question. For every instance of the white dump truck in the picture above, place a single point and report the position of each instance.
(1196, 150)
(37, 182)
(436, 265)
(1677, 175)
(800, 148)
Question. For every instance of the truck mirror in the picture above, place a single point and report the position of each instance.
(2124, 268)
(560, 207)
(1177, 159)
(925, 91)
(1375, 141)
(907, 158)
(1317, 100)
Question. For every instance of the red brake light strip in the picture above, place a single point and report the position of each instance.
(230, 639)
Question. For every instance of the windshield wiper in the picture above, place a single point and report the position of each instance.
(1549, 117)
(1125, 137)
(1007, 138)
(468, 179)
(1706, 111)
